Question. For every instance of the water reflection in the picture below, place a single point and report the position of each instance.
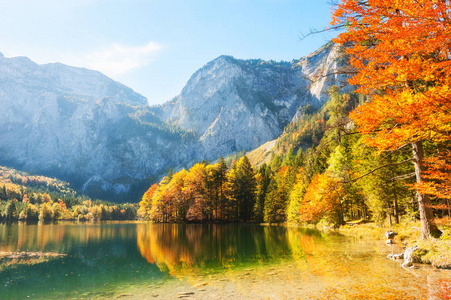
(59, 237)
(94, 254)
(103, 260)
(332, 266)
(181, 249)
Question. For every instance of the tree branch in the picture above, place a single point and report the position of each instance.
(374, 170)
(316, 31)
(402, 177)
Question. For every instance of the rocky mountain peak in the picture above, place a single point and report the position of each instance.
(84, 127)
(20, 73)
(233, 104)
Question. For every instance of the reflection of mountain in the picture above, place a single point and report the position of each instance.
(181, 249)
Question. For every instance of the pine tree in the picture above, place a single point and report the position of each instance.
(10, 210)
(3, 194)
(265, 179)
(247, 187)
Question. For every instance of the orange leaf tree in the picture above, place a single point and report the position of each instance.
(146, 202)
(322, 201)
(438, 173)
(401, 52)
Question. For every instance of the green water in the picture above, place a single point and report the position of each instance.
(130, 260)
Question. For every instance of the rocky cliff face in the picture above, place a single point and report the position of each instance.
(235, 105)
(84, 127)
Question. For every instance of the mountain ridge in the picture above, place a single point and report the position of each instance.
(261, 96)
(86, 128)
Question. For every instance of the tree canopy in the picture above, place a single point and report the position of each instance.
(401, 53)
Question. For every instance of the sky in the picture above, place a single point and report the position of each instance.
(154, 46)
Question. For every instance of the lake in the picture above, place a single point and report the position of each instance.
(193, 261)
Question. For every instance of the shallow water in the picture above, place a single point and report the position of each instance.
(227, 261)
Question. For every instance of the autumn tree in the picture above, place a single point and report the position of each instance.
(10, 210)
(30, 212)
(296, 196)
(231, 207)
(401, 52)
(211, 192)
(46, 212)
(45, 198)
(57, 211)
(194, 193)
(438, 173)
(176, 197)
(159, 208)
(146, 202)
(322, 201)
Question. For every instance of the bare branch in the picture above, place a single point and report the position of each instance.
(374, 170)
(402, 177)
(316, 31)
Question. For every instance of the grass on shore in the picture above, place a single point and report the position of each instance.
(436, 252)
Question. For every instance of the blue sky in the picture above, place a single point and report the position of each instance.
(155, 46)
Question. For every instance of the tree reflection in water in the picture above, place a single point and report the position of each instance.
(185, 248)
(255, 261)
(325, 266)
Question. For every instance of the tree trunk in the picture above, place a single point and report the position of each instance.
(428, 227)
(389, 215)
(221, 204)
(414, 217)
(395, 207)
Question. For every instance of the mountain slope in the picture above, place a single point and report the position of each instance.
(83, 127)
(235, 105)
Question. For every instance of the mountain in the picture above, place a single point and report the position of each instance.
(234, 105)
(83, 127)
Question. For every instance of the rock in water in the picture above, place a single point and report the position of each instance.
(185, 294)
(408, 259)
(396, 256)
(390, 234)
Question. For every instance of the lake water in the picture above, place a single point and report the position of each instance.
(190, 261)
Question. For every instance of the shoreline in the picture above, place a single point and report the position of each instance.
(435, 252)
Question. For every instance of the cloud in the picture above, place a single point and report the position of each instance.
(116, 59)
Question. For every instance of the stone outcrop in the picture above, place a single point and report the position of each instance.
(408, 256)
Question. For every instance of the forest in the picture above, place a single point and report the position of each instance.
(297, 186)
(381, 153)
(32, 198)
